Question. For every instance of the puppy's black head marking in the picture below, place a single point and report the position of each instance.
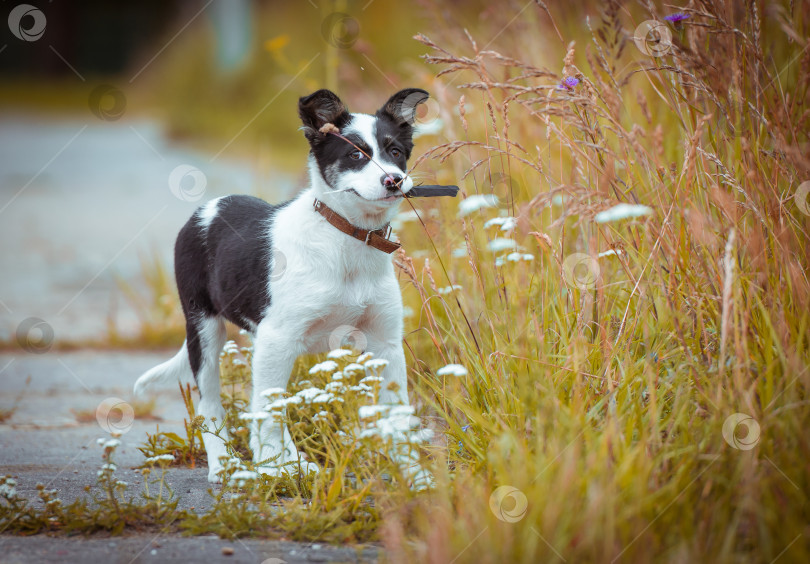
(393, 131)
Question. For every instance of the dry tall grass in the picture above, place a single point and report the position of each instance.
(602, 372)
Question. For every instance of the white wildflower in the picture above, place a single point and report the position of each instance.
(234, 463)
(610, 252)
(117, 483)
(159, 458)
(321, 416)
(376, 363)
(501, 244)
(339, 353)
(371, 379)
(622, 211)
(513, 257)
(112, 443)
(459, 252)
(282, 403)
(476, 202)
(325, 366)
(244, 476)
(334, 386)
(452, 370)
(448, 289)
(270, 392)
(364, 357)
(401, 410)
(255, 416)
(309, 393)
(323, 398)
(353, 367)
(409, 215)
(421, 436)
(432, 127)
(369, 411)
(506, 223)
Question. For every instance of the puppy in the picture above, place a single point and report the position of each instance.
(301, 275)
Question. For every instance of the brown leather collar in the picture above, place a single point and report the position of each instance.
(377, 238)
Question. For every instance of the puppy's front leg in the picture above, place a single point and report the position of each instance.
(382, 327)
(273, 359)
(384, 331)
(394, 389)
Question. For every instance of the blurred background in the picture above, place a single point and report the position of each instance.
(118, 119)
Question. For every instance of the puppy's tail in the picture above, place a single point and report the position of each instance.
(176, 369)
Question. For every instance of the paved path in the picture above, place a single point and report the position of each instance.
(44, 443)
(149, 548)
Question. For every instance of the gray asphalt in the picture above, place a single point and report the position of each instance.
(156, 548)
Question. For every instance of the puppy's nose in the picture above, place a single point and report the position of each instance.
(391, 181)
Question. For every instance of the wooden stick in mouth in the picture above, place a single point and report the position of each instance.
(432, 191)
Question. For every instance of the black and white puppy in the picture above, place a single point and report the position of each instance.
(226, 268)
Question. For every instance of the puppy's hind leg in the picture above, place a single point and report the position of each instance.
(205, 337)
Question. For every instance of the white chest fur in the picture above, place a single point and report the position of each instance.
(329, 280)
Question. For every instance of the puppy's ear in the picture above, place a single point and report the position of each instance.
(320, 108)
(401, 107)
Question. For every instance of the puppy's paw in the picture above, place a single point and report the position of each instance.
(308, 468)
(421, 480)
(214, 476)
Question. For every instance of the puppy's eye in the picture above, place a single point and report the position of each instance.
(396, 153)
(356, 155)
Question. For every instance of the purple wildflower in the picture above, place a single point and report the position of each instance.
(568, 83)
(677, 17)
(465, 427)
